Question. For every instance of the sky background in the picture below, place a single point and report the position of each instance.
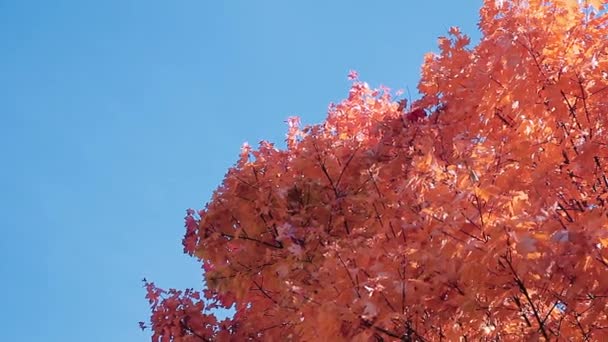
(118, 115)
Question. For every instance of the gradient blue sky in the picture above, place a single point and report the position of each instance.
(116, 116)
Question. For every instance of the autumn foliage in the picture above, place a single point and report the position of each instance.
(479, 212)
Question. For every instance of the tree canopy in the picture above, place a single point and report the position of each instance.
(478, 212)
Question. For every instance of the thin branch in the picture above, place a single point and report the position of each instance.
(346, 165)
(524, 290)
(355, 285)
(244, 237)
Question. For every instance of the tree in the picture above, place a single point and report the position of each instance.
(479, 214)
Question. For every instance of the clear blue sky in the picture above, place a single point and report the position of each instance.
(116, 116)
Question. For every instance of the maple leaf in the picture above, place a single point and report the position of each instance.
(416, 114)
(480, 213)
(597, 4)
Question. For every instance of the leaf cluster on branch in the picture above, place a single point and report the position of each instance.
(478, 214)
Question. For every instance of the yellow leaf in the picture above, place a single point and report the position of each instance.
(598, 4)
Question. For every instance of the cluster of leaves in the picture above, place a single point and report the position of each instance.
(483, 219)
